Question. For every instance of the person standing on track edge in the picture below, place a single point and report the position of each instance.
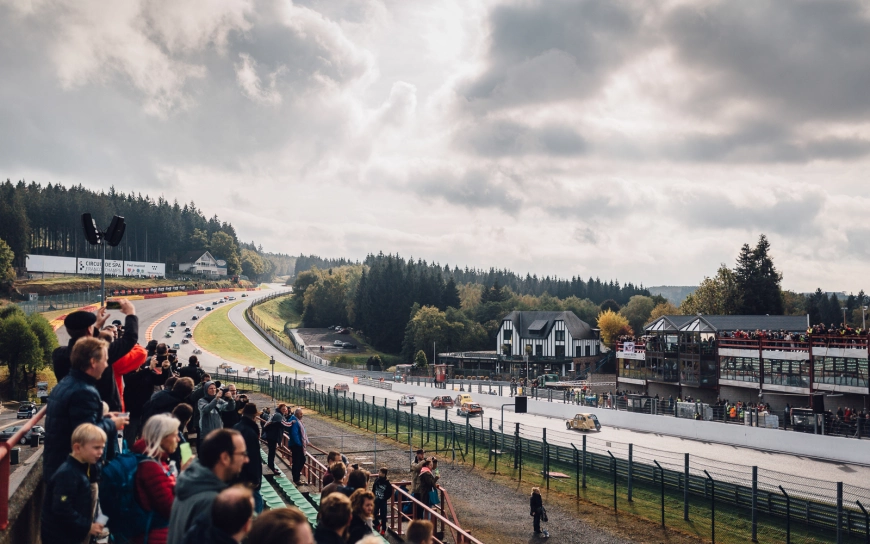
(273, 432)
(298, 442)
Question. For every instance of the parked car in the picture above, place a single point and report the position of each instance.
(7, 433)
(348, 345)
(469, 409)
(338, 343)
(262, 372)
(407, 400)
(583, 422)
(26, 410)
(341, 387)
(443, 401)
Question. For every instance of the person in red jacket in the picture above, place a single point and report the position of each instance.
(155, 481)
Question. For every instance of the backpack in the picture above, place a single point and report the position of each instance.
(118, 498)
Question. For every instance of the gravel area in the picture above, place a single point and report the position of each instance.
(493, 508)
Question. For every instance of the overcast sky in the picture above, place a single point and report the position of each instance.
(644, 141)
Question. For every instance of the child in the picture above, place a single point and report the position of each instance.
(381, 488)
(68, 509)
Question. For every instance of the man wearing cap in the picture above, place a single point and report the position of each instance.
(80, 324)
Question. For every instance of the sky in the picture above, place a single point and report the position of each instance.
(639, 141)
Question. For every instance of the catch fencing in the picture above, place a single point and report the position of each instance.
(709, 498)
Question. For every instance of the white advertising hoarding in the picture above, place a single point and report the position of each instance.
(139, 268)
(47, 263)
(92, 266)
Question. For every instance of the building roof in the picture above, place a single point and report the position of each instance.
(530, 321)
(192, 256)
(727, 323)
(669, 323)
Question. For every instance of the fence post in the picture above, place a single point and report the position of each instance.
(428, 422)
(866, 522)
(545, 451)
(352, 404)
(518, 445)
(613, 469)
(787, 516)
(584, 461)
(576, 470)
(839, 512)
(712, 507)
(453, 440)
(397, 421)
(662, 475)
(630, 467)
(686, 489)
(473, 445)
(755, 504)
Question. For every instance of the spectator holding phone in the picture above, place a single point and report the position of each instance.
(75, 400)
(210, 407)
(155, 481)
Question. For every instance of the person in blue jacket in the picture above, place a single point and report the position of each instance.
(298, 441)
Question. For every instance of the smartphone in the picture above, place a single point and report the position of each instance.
(113, 304)
(124, 414)
(186, 453)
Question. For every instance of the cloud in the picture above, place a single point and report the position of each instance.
(249, 81)
(509, 138)
(777, 211)
(471, 189)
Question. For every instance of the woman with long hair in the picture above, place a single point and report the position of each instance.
(362, 504)
(155, 477)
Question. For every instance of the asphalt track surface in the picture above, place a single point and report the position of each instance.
(182, 308)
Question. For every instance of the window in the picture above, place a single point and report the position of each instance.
(788, 373)
(741, 369)
(560, 351)
(539, 350)
(507, 334)
(560, 336)
(841, 371)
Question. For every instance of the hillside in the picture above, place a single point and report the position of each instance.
(674, 293)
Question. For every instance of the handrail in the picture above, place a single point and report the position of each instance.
(455, 529)
(5, 467)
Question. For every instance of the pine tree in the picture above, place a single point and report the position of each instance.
(759, 280)
(450, 296)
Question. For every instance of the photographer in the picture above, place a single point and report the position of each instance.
(211, 406)
(231, 417)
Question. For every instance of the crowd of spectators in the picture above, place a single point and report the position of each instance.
(118, 458)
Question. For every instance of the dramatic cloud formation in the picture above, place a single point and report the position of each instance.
(623, 139)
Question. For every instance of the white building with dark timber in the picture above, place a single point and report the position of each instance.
(554, 341)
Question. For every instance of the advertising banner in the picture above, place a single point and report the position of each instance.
(55, 265)
(140, 268)
(92, 266)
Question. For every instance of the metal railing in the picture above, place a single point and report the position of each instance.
(6, 468)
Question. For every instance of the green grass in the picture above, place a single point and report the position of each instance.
(276, 312)
(217, 334)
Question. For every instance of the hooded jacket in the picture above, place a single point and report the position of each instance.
(210, 409)
(252, 471)
(194, 493)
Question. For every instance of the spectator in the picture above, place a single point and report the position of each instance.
(252, 471)
(265, 416)
(381, 489)
(68, 508)
(333, 520)
(221, 458)
(362, 504)
(163, 401)
(274, 431)
(81, 324)
(357, 479)
(419, 532)
(75, 400)
(155, 482)
(339, 477)
(210, 407)
(197, 394)
(281, 526)
(298, 441)
(231, 417)
(415, 473)
(427, 482)
(331, 458)
(182, 414)
(192, 370)
(139, 388)
(228, 521)
(536, 509)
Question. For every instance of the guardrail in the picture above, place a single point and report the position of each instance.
(5, 466)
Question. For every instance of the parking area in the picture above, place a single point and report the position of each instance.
(314, 338)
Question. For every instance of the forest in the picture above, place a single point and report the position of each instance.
(46, 220)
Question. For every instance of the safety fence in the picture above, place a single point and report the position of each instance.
(706, 497)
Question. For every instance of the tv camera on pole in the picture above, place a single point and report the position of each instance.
(112, 236)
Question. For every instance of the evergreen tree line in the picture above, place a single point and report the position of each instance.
(46, 220)
(403, 306)
(594, 289)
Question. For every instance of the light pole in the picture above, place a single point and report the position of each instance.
(863, 318)
(111, 236)
(272, 388)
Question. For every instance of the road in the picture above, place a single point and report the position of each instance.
(670, 448)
